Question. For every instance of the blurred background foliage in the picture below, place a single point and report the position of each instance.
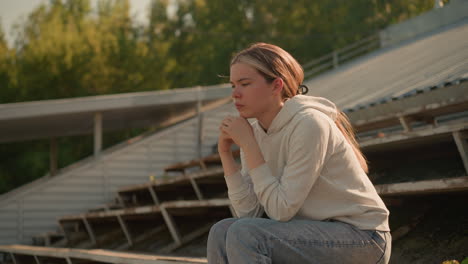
(69, 49)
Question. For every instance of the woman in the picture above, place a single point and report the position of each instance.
(301, 165)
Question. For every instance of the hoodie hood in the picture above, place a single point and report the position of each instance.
(299, 103)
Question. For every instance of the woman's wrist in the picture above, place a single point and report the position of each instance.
(225, 153)
(229, 164)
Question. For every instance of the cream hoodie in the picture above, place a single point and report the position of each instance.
(310, 171)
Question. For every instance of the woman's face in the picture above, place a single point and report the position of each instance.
(252, 94)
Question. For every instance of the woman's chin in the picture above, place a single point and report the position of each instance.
(243, 114)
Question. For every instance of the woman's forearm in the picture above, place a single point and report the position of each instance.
(230, 165)
(253, 155)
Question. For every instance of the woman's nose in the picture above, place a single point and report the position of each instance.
(236, 92)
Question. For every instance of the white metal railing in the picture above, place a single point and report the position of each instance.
(334, 59)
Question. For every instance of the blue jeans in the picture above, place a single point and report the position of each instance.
(261, 240)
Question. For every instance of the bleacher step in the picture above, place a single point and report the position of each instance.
(105, 256)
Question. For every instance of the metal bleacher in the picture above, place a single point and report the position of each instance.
(165, 215)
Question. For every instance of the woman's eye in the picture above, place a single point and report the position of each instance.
(245, 84)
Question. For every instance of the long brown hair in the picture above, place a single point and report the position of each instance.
(273, 62)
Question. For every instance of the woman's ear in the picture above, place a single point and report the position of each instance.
(278, 86)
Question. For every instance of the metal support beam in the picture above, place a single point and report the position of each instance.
(200, 123)
(89, 229)
(405, 123)
(13, 258)
(53, 156)
(97, 134)
(68, 260)
(172, 226)
(37, 259)
(125, 230)
(153, 195)
(462, 145)
(195, 187)
(188, 238)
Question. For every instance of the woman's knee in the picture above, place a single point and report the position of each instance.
(246, 229)
(219, 230)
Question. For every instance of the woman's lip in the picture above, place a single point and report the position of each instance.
(239, 105)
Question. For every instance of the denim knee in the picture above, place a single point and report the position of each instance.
(216, 245)
(218, 232)
(246, 231)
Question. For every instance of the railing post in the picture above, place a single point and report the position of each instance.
(335, 59)
(97, 134)
(53, 156)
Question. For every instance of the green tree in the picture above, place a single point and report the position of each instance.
(7, 69)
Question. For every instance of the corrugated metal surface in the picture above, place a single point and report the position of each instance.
(75, 116)
(35, 209)
(428, 61)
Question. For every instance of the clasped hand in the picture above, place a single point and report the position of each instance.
(234, 130)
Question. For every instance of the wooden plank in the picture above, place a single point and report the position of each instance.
(150, 209)
(35, 251)
(181, 166)
(462, 146)
(434, 103)
(424, 187)
(195, 203)
(100, 255)
(131, 258)
(415, 134)
(216, 159)
(112, 213)
(184, 177)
